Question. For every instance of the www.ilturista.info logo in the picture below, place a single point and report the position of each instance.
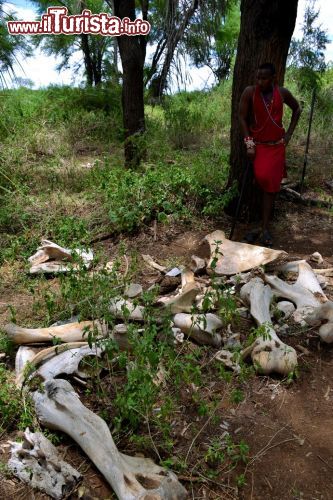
(57, 22)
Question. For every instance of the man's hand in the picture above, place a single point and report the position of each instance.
(251, 152)
(286, 139)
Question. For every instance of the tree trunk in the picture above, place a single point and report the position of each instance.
(87, 59)
(132, 51)
(174, 35)
(265, 33)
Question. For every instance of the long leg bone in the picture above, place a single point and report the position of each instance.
(231, 257)
(36, 461)
(200, 327)
(70, 332)
(132, 478)
(269, 354)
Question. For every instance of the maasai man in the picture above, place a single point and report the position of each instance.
(265, 139)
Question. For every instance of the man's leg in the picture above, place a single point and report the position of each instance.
(268, 202)
(267, 206)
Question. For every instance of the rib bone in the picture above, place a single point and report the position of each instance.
(132, 478)
(268, 352)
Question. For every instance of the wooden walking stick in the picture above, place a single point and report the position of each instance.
(240, 199)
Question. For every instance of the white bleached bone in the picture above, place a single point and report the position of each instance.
(269, 354)
(289, 267)
(70, 332)
(198, 265)
(132, 478)
(49, 250)
(121, 308)
(148, 260)
(68, 362)
(178, 335)
(187, 279)
(325, 272)
(228, 359)
(36, 461)
(233, 257)
(286, 308)
(23, 356)
(200, 327)
(50, 256)
(42, 356)
(305, 293)
(183, 302)
(324, 312)
(317, 258)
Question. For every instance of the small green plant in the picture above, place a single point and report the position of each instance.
(240, 480)
(6, 345)
(237, 396)
(237, 452)
(15, 409)
(260, 331)
(215, 455)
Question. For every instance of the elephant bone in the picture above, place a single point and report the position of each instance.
(23, 356)
(126, 309)
(198, 265)
(70, 332)
(306, 293)
(323, 312)
(269, 354)
(36, 462)
(132, 478)
(22, 360)
(230, 257)
(201, 327)
(49, 257)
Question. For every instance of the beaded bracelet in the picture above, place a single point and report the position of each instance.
(249, 142)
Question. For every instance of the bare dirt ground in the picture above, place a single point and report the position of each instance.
(288, 427)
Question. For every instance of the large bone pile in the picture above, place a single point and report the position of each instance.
(224, 262)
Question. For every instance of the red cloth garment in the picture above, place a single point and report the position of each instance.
(270, 161)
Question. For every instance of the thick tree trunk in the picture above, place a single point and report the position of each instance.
(132, 51)
(265, 33)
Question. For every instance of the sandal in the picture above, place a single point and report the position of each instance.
(251, 237)
(266, 239)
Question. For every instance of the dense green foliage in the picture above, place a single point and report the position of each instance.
(307, 55)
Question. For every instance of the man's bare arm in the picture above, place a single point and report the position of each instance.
(293, 104)
(244, 108)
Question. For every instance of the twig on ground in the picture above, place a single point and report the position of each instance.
(324, 461)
